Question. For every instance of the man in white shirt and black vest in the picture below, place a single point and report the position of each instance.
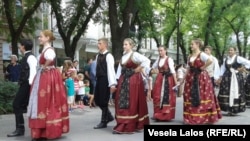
(27, 74)
(105, 82)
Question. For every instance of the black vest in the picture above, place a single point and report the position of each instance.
(234, 65)
(25, 69)
(101, 66)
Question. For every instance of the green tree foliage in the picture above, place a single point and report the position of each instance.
(7, 93)
(216, 22)
(19, 19)
(72, 21)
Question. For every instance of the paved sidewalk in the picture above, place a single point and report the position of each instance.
(83, 121)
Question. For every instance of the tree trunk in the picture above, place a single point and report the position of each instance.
(238, 43)
(118, 34)
(15, 32)
(209, 23)
(183, 49)
(72, 33)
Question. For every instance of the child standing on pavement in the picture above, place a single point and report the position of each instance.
(81, 91)
(87, 93)
(69, 84)
(76, 86)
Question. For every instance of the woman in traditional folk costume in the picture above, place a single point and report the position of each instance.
(48, 108)
(200, 103)
(247, 88)
(131, 110)
(163, 94)
(231, 95)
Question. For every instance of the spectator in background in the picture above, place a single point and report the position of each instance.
(67, 65)
(213, 69)
(13, 69)
(93, 73)
(89, 96)
(69, 84)
(75, 65)
(180, 70)
(76, 86)
(81, 91)
(87, 73)
(87, 68)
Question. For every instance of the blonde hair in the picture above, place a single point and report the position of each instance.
(208, 47)
(234, 48)
(104, 40)
(14, 56)
(199, 42)
(80, 75)
(48, 33)
(67, 65)
(162, 46)
(130, 41)
(72, 73)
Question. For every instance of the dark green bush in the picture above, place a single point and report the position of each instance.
(7, 93)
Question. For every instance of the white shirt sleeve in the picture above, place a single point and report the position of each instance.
(111, 69)
(180, 73)
(32, 61)
(155, 65)
(171, 65)
(118, 72)
(223, 67)
(243, 61)
(204, 57)
(49, 54)
(216, 69)
(143, 60)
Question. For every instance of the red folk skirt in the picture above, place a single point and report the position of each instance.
(52, 119)
(167, 112)
(208, 111)
(136, 116)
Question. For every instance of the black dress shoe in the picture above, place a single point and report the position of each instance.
(101, 125)
(17, 132)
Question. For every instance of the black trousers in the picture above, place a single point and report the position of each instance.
(102, 94)
(20, 104)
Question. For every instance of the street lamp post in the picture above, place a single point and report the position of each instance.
(178, 31)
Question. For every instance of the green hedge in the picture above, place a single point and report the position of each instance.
(7, 93)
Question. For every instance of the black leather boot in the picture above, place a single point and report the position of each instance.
(110, 117)
(103, 123)
(19, 124)
(17, 132)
